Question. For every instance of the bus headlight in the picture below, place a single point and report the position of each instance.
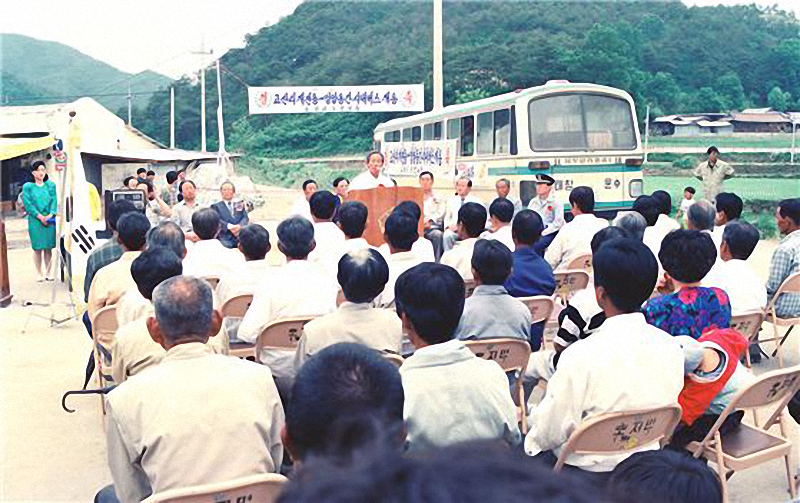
(636, 187)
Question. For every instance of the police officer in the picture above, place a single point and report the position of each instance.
(551, 211)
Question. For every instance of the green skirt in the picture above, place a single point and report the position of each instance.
(42, 237)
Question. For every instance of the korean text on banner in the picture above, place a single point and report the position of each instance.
(294, 100)
(406, 159)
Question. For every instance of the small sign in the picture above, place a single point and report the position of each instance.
(299, 100)
(407, 159)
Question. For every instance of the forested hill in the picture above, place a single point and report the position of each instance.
(672, 57)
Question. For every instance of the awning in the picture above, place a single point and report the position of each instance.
(15, 147)
(153, 155)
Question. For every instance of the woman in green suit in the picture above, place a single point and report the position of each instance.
(39, 197)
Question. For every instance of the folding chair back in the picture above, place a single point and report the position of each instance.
(104, 326)
(620, 432)
(789, 285)
(212, 280)
(768, 389)
(281, 334)
(469, 287)
(237, 306)
(582, 263)
(255, 489)
(748, 324)
(540, 306)
(570, 281)
(394, 358)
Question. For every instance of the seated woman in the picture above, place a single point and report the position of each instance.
(687, 256)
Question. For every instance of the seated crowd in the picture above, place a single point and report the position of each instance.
(336, 413)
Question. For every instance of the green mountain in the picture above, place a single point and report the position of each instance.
(36, 71)
(669, 56)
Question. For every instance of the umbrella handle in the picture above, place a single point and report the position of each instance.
(100, 391)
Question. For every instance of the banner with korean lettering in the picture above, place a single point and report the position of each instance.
(407, 159)
(298, 100)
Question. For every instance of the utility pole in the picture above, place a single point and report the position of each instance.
(130, 103)
(172, 117)
(438, 80)
(646, 131)
(203, 55)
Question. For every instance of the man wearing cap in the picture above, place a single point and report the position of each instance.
(713, 172)
(549, 209)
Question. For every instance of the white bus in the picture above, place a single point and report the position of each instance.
(580, 134)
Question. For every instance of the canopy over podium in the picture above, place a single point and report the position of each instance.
(380, 202)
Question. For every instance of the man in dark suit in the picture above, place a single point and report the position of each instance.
(233, 215)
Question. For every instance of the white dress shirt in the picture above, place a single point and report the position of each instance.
(355, 245)
(302, 208)
(434, 208)
(573, 240)
(503, 234)
(242, 280)
(453, 396)
(716, 235)
(298, 288)
(366, 181)
(173, 426)
(460, 257)
(398, 264)
(454, 204)
(132, 306)
(422, 248)
(330, 247)
(746, 290)
(625, 365)
(209, 257)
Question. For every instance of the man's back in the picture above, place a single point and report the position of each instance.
(573, 240)
(111, 283)
(453, 396)
(209, 257)
(785, 262)
(745, 288)
(398, 264)
(460, 257)
(194, 419)
(531, 275)
(492, 313)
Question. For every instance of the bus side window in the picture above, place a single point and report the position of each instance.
(467, 135)
(513, 130)
(437, 130)
(391, 136)
(485, 141)
(407, 134)
(502, 131)
(416, 133)
(453, 129)
(427, 132)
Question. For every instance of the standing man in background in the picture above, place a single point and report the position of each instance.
(372, 177)
(551, 211)
(713, 173)
(232, 215)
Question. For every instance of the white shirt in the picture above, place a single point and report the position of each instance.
(398, 264)
(434, 209)
(460, 257)
(745, 288)
(454, 204)
(298, 288)
(422, 248)
(503, 234)
(302, 208)
(330, 247)
(242, 280)
(625, 365)
(716, 235)
(132, 306)
(686, 204)
(366, 181)
(573, 240)
(453, 396)
(209, 257)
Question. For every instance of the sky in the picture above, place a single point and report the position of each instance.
(160, 35)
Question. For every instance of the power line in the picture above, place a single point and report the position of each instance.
(90, 95)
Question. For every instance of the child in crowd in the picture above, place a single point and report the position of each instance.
(688, 200)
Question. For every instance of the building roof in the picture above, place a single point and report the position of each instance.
(155, 155)
(713, 123)
(766, 117)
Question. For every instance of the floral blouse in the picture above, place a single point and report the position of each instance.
(689, 311)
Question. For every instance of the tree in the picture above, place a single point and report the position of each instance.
(779, 100)
(731, 91)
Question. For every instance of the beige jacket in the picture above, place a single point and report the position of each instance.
(196, 418)
(111, 282)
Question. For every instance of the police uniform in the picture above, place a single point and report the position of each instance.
(551, 211)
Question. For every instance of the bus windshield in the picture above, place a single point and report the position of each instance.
(580, 122)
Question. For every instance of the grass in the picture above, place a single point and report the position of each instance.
(766, 140)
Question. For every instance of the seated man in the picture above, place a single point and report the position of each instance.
(633, 223)
(208, 256)
(362, 276)
(642, 366)
(664, 222)
(346, 396)
(174, 425)
(232, 213)
(454, 205)
(301, 206)
(471, 222)
(687, 256)
(650, 209)
(112, 281)
(183, 211)
(664, 477)
(400, 233)
(133, 350)
(434, 209)
(422, 248)
(729, 208)
(701, 216)
(786, 258)
(327, 235)
(451, 395)
(530, 275)
(501, 212)
(745, 289)
(351, 217)
(491, 312)
(573, 239)
(300, 288)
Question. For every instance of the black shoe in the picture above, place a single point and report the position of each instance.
(755, 354)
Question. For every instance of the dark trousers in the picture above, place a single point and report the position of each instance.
(106, 495)
(435, 236)
(90, 365)
(598, 479)
(684, 434)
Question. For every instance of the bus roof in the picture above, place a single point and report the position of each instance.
(550, 87)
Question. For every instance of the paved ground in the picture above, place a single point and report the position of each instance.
(49, 455)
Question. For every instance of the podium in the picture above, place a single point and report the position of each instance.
(5, 288)
(380, 202)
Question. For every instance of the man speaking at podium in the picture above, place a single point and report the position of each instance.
(373, 177)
